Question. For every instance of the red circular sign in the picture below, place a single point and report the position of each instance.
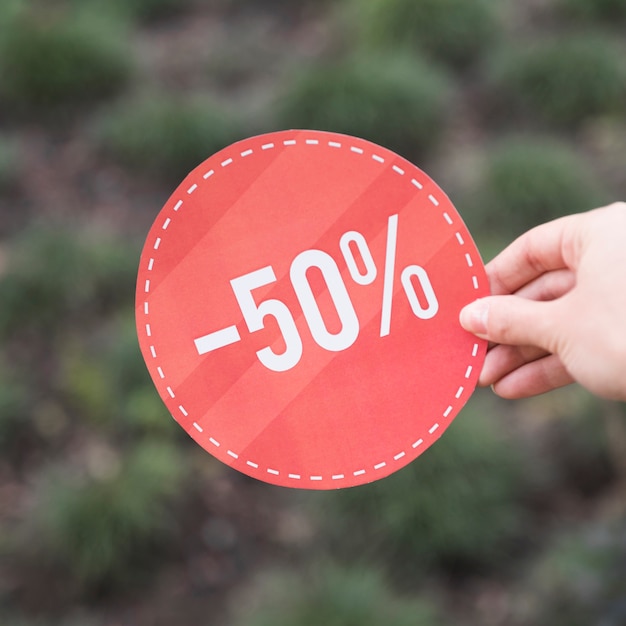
(297, 307)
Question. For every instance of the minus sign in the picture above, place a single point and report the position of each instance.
(218, 339)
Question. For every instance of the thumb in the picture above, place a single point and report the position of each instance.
(511, 320)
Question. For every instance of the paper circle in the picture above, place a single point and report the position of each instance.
(297, 307)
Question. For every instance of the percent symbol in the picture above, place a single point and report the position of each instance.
(406, 278)
(254, 313)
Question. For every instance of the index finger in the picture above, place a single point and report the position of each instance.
(550, 246)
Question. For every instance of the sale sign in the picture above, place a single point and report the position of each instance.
(297, 307)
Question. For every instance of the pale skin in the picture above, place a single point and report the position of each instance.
(558, 310)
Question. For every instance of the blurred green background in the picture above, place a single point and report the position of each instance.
(109, 514)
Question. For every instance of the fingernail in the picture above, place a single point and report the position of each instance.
(473, 317)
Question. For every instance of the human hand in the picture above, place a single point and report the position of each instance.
(558, 309)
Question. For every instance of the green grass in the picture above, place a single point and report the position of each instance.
(335, 597)
(52, 59)
(164, 137)
(104, 527)
(8, 164)
(456, 508)
(580, 456)
(454, 32)
(562, 81)
(579, 579)
(530, 181)
(398, 102)
(143, 10)
(15, 619)
(104, 380)
(14, 407)
(55, 276)
(604, 10)
(154, 9)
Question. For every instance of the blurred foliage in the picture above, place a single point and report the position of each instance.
(398, 102)
(14, 407)
(12, 619)
(608, 10)
(51, 59)
(53, 275)
(528, 181)
(160, 136)
(578, 456)
(562, 81)
(580, 579)
(78, 409)
(283, 8)
(103, 526)
(141, 10)
(335, 597)
(106, 382)
(8, 164)
(454, 32)
(457, 508)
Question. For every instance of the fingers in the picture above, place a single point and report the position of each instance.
(502, 360)
(549, 286)
(551, 246)
(513, 320)
(533, 379)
